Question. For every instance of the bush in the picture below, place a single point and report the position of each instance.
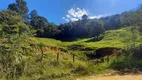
(126, 62)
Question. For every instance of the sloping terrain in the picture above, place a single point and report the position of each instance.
(112, 38)
(72, 58)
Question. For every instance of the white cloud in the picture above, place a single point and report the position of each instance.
(73, 19)
(63, 17)
(68, 16)
(75, 14)
(97, 17)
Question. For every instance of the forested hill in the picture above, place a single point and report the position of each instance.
(32, 48)
(77, 29)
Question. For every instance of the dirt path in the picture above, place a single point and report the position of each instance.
(114, 77)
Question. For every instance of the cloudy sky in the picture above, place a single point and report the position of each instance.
(61, 11)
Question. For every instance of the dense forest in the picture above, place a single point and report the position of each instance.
(32, 48)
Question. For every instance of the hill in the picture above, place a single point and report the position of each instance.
(112, 38)
(73, 55)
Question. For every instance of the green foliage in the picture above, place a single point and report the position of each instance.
(14, 34)
(81, 28)
(112, 22)
(20, 7)
(33, 14)
(50, 30)
(131, 60)
(9, 17)
(126, 63)
(42, 26)
(12, 23)
(38, 22)
(95, 28)
(132, 17)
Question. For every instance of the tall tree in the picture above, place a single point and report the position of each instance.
(42, 26)
(132, 17)
(33, 14)
(50, 30)
(95, 28)
(84, 17)
(38, 22)
(112, 22)
(20, 7)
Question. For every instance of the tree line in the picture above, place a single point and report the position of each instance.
(78, 29)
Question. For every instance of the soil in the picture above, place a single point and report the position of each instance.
(115, 77)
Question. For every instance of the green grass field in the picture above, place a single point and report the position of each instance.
(66, 68)
(112, 38)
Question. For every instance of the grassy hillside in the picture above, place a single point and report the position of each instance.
(65, 68)
(112, 38)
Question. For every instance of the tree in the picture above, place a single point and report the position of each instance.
(50, 30)
(65, 31)
(13, 7)
(84, 17)
(132, 17)
(33, 14)
(43, 27)
(20, 7)
(38, 22)
(112, 22)
(95, 28)
(14, 34)
(127, 18)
